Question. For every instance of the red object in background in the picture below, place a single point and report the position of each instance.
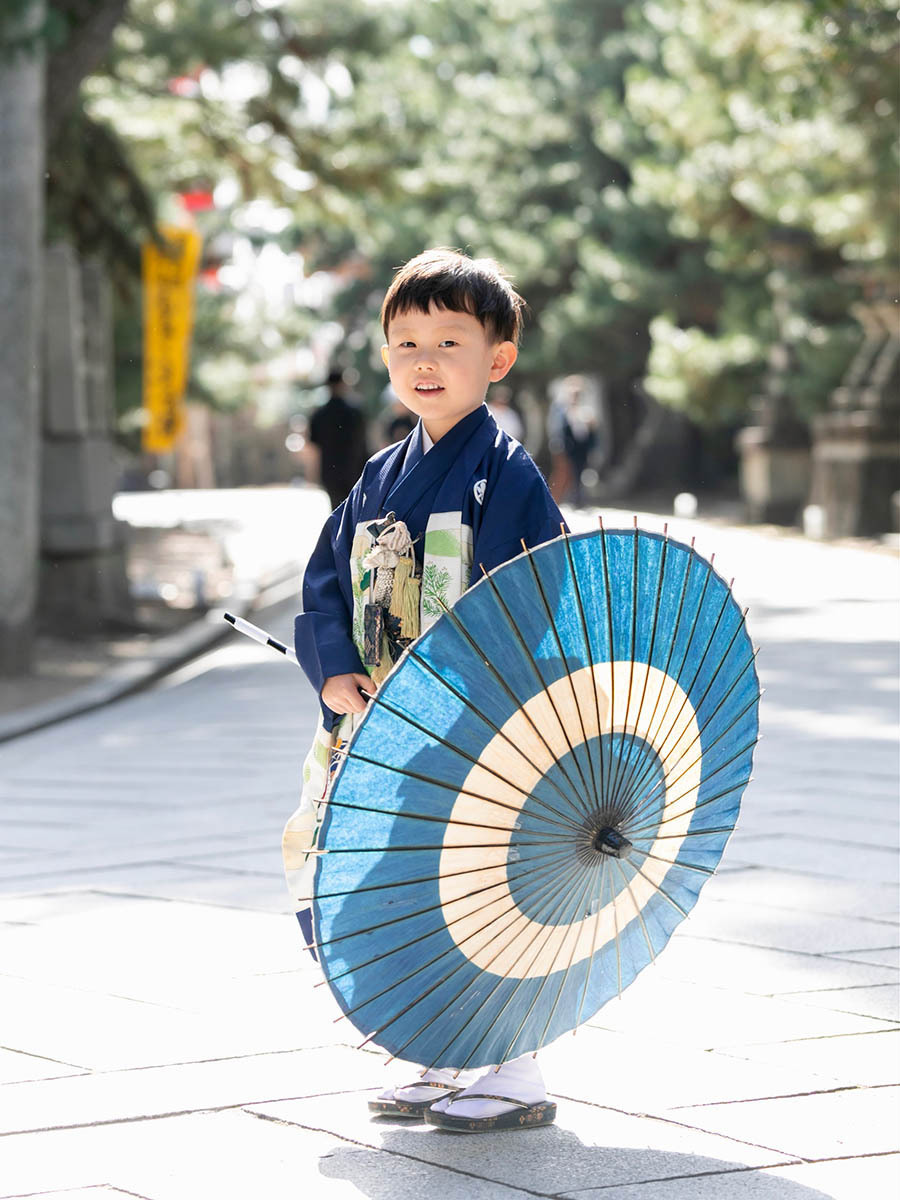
(185, 85)
(209, 277)
(196, 201)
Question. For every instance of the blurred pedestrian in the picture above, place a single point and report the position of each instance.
(572, 435)
(500, 406)
(337, 429)
(397, 422)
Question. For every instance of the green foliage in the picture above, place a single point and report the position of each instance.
(647, 173)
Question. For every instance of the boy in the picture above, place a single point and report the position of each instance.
(456, 491)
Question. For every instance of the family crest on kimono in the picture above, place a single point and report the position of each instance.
(456, 496)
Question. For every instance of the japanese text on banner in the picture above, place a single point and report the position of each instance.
(169, 274)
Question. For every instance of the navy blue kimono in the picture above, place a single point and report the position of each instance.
(473, 496)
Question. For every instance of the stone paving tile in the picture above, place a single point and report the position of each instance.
(886, 956)
(585, 1144)
(89, 1193)
(107, 941)
(831, 1124)
(808, 932)
(871, 1178)
(106, 1032)
(649, 1075)
(882, 1000)
(177, 881)
(231, 1156)
(807, 820)
(816, 857)
(763, 972)
(17, 1067)
(793, 892)
(864, 1060)
(707, 1018)
(104, 1096)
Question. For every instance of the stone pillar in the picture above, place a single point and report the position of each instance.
(22, 82)
(83, 581)
(856, 445)
(774, 469)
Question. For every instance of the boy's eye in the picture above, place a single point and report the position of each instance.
(448, 342)
(404, 345)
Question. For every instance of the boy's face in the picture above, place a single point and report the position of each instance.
(441, 363)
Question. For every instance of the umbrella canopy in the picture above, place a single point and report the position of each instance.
(535, 798)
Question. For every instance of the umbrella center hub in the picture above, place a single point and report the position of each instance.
(610, 841)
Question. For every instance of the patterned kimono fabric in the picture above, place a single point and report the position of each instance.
(475, 494)
(446, 570)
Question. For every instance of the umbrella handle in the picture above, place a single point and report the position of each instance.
(259, 635)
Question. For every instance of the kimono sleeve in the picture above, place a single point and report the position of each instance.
(322, 631)
(519, 507)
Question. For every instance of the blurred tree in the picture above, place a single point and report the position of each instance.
(766, 124)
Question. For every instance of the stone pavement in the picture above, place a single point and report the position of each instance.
(162, 1037)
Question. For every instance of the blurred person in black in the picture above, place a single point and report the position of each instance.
(337, 429)
(397, 421)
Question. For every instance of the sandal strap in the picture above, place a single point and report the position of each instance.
(490, 1096)
(420, 1083)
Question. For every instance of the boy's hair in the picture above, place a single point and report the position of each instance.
(454, 281)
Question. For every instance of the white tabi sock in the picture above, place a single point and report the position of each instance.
(416, 1090)
(519, 1079)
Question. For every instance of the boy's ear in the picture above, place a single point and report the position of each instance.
(384, 356)
(504, 357)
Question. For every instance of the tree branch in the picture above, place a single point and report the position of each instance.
(91, 23)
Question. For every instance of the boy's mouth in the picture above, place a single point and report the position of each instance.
(428, 389)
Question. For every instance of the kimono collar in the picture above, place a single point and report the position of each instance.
(421, 470)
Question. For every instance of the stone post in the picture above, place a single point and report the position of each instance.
(22, 93)
(83, 580)
(774, 469)
(856, 445)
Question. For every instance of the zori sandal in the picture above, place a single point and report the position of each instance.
(523, 1115)
(396, 1106)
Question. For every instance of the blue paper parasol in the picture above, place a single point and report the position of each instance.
(535, 798)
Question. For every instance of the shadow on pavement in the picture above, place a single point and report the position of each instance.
(547, 1162)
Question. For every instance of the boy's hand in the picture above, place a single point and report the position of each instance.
(341, 692)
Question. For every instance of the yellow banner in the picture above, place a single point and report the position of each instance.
(169, 276)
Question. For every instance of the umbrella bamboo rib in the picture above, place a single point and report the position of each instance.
(440, 983)
(662, 891)
(609, 633)
(637, 719)
(583, 796)
(512, 1041)
(663, 718)
(653, 794)
(497, 730)
(538, 891)
(637, 808)
(675, 862)
(565, 974)
(691, 558)
(461, 629)
(699, 704)
(421, 912)
(605, 878)
(403, 716)
(592, 790)
(636, 906)
(377, 887)
(620, 758)
(407, 815)
(559, 899)
(459, 791)
(588, 656)
(633, 832)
